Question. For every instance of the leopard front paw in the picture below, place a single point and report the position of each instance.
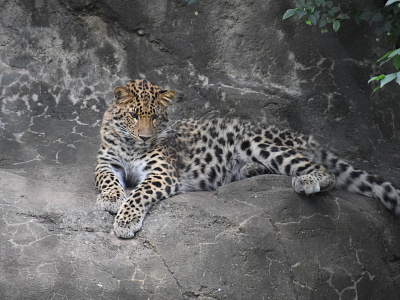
(110, 202)
(127, 223)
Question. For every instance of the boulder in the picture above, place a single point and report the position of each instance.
(252, 239)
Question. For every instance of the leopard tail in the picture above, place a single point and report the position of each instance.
(358, 181)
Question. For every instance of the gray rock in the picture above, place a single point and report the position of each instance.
(254, 239)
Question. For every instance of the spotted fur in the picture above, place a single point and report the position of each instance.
(141, 150)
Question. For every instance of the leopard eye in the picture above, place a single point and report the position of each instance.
(134, 115)
(155, 117)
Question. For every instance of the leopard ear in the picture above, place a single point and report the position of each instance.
(165, 98)
(121, 93)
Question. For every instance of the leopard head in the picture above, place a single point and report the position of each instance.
(140, 111)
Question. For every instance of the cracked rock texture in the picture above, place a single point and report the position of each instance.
(254, 239)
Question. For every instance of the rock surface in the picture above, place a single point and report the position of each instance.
(254, 239)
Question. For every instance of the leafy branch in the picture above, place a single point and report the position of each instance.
(319, 12)
(383, 79)
(385, 19)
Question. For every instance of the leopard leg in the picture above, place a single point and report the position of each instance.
(308, 177)
(109, 183)
(305, 147)
(314, 182)
(253, 169)
(132, 213)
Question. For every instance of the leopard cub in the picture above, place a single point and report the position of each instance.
(141, 149)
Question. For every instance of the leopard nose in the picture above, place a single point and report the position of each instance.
(144, 138)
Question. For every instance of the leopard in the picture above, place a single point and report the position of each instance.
(145, 158)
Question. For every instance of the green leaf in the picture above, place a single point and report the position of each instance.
(289, 13)
(387, 26)
(312, 19)
(398, 78)
(391, 2)
(366, 15)
(336, 25)
(343, 17)
(300, 13)
(395, 31)
(375, 89)
(376, 17)
(386, 55)
(388, 78)
(335, 9)
(396, 62)
(322, 23)
(377, 78)
(308, 22)
(384, 61)
(310, 7)
(357, 18)
(394, 53)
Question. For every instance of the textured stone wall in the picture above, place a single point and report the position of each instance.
(60, 61)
